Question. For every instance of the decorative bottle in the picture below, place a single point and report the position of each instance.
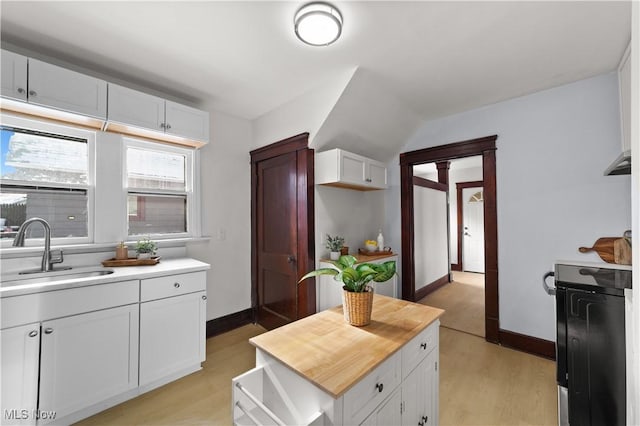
(380, 240)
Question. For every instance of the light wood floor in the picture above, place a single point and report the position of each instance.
(463, 302)
(480, 384)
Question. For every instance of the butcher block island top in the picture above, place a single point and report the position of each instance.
(334, 355)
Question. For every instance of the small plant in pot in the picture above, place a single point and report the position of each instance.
(145, 248)
(334, 244)
(357, 295)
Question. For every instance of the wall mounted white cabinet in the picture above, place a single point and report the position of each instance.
(88, 358)
(66, 90)
(42, 84)
(624, 82)
(138, 113)
(172, 325)
(19, 366)
(343, 169)
(14, 75)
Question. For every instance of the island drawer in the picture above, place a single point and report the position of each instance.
(172, 285)
(360, 400)
(419, 347)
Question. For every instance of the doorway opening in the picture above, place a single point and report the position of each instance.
(484, 199)
(450, 232)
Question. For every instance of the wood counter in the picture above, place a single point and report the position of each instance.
(334, 355)
(362, 258)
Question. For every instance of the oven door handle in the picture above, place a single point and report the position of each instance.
(551, 291)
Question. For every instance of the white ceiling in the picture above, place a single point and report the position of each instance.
(243, 58)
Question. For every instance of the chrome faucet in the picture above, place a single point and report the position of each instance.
(47, 259)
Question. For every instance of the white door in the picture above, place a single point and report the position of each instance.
(88, 358)
(172, 335)
(388, 413)
(135, 108)
(473, 230)
(353, 168)
(20, 356)
(419, 393)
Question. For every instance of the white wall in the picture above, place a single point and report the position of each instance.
(305, 113)
(226, 215)
(455, 176)
(356, 215)
(552, 197)
(429, 235)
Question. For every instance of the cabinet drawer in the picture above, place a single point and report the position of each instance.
(172, 285)
(36, 307)
(367, 394)
(419, 347)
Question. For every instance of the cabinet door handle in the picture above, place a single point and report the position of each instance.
(423, 345)
(33, 93)
(167, 126)
(420, 423)
(204, 297)
(20, 90)
(425, 419)
(176, 285)
(48, 330)
(379, 386)
(162, 125)
(33, 333)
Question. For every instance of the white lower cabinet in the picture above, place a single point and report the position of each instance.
(19, 374)
(388, 413)
(88, 358)
(71, 353)
(172, 335)
(402, 390)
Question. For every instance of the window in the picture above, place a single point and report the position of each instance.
(45, 171)
(159, 188)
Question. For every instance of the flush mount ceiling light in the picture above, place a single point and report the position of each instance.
(318, 24)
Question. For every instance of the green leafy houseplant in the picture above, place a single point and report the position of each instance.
(146, 245)
(356, 277)
(334, 243)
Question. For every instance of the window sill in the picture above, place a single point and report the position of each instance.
(18, 252)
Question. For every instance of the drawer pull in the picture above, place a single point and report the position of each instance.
(204, 297)
(423, 345)
(33, 333)
(379, 386)
(48, 330)
(176, 285)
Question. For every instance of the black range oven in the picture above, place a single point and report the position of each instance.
(590, 344)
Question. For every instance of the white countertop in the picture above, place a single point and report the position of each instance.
(123, 273)
(594, 264)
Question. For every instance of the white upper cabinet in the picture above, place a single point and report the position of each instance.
(344, 169)
(624, 81)
(141, 114)
(66, 90)
(14, 76)
(135, 108)
(181, 120)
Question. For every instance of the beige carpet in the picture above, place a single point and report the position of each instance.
(463, 301)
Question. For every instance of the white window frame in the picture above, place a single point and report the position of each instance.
(191, 187)
(11, 120)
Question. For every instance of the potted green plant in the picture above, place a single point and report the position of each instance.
(334, 244)
(145, 248)
(357, 295)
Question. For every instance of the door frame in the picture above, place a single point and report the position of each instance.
(459, 187)
(306, 295)
(486, 147)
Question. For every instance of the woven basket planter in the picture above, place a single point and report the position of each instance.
(357, 307)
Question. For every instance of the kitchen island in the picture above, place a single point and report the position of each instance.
(321, 370)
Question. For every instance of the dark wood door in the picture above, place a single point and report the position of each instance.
(283, 233)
